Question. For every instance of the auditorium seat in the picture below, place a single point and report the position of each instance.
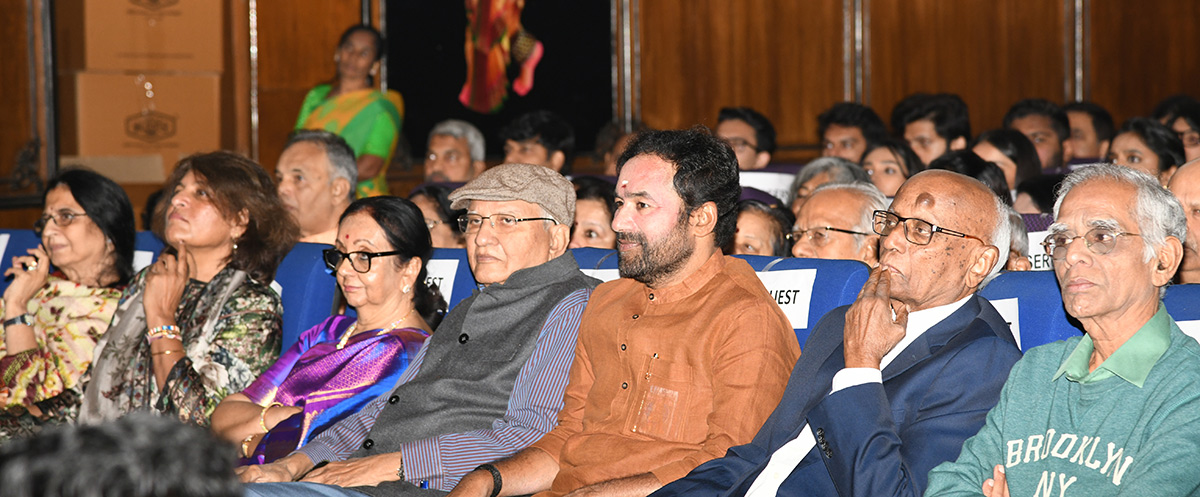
(590, 258)
(806, 289)
(449, 270)
(1183, 303)
(1031, 303)
(306, 288)
(146, 248)
(14, 243)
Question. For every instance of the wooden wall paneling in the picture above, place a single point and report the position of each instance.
(296, 44)
(235, 80)
(14, 79)
(1141, 53)
(990, 52)
(781, 57)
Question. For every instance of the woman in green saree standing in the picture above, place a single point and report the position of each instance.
(351, 107)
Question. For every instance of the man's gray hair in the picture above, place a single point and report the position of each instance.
(840, 171)
(342, 163)
(1158, 213)
(462, 130)
(875, 201)
(1019, 235)
(1001, 238)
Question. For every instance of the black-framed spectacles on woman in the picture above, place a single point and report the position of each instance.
(360, 261)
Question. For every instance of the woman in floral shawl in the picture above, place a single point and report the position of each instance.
(201, 322)
(52, 319)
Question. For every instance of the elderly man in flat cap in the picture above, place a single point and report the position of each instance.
(490, 381)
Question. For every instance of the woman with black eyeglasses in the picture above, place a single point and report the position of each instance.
(53, 317)
(340, 365)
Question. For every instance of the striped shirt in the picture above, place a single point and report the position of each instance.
(441, 461)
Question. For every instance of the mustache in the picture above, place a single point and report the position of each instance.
(627, 237)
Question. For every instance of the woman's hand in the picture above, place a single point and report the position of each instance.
(283, 470)
(359, 472)
(164, 287)
(29, 273)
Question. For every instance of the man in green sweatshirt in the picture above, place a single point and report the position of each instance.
(1112, 412)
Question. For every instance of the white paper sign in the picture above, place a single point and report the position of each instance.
(604, 275)
(274, 285)
(1190, 328)
(792, 290)
(777, 184)
(3, 244)
(1037, 254)
(141, 259)
(441, 272)
(1011, 313)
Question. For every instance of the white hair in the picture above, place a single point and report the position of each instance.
(1001, 238)
(1158, 213)
(1019, 234)
(875, 201)
(840, 171)
(462, 130)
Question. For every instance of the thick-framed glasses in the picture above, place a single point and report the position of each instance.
(819, 236)
(360, 261)
(1099, 240)
(62, 218)
(916, 231)
(503, 223)
(741, 145)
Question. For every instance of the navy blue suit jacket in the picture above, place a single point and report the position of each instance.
(875, 439)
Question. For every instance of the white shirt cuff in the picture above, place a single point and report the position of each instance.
(849, 377)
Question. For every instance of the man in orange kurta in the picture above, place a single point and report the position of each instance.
(681, 358)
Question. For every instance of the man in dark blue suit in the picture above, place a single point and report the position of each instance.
(890, 386)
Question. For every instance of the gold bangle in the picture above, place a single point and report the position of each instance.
(262, 418)
(167, 352)
(246, 445)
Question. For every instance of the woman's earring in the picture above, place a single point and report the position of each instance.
(406, 289)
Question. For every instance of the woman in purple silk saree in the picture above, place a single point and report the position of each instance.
(337, 367)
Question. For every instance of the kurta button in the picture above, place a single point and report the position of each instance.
(635, 316)
(624, 385)
(368, 443)
(622, 346)
(393, 399)
(652, 296)
(463, 338)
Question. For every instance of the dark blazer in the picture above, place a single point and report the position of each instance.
(875, 439)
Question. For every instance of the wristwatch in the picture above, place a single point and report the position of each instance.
(22, 319)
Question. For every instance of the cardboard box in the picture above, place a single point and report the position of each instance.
(139, 114)
(141, 35)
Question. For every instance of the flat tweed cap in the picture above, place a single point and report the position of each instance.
(534, 184)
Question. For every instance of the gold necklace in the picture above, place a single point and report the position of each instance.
(350, 331)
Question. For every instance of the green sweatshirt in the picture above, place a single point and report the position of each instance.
(1131, 427)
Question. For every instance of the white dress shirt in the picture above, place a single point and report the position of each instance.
(785, 460)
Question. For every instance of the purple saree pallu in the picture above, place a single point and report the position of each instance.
(328, 382)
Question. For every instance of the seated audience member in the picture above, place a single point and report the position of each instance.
(824, 170)
(201, 321)
(1112, 412)
(1185, 185)
(595, 204)
(440, 219)
(52, 321)
(889, 163)
(341, 364)
(677, 360)
(315, 176)
(490, 381)
(1092, 131)
(749, 133)
(611, 141)
(139, 455)
(1169, 106)
(455, 152)
(1047, 127)
(1036, 195)
(541, 138)
(762, 230)
(1018, 252)
(1150, 147)
(901, 111)
(937, 124)
(836, 223)
(1012, 152)
(846, 128)
(876, 401)
(1186, 125)
(967, 163)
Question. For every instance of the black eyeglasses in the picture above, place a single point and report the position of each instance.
(1099, 240)
(503, 223)
(62, 218)
(917, 231)
(819, 236)
(360, 261)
